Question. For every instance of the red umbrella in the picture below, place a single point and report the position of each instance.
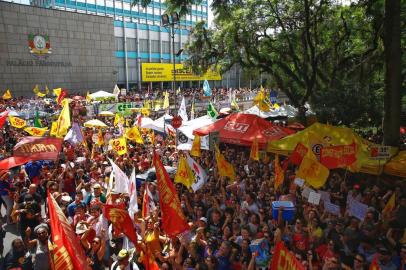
(240, 128)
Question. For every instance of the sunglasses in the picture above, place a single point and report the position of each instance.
(96, 242)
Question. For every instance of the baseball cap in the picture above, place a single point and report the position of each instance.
(122, 254)
(96, 186)
(203, 219)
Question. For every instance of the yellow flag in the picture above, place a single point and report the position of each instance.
(54, 129)
(224, 167)
(100, 138)
(39, 94)
(34, 131)
(276, 106)
(254, 154)
(46, 90)
(234, 105)
(279, 173)
(261, 101)
(152, 137)
(7, 94)
(390, 205)
(145, 111)
(166, 100)
(133, 134)
(184, 174)
(63, 122)
(195, 151)
(119, 145)
(312, 171)
(157, 105)
(57, 91)
(17, 122)
(116, 119)
(88, 97)
(36, 89)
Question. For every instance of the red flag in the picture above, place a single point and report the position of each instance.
(149, 262)
(148, 205)
(279, 173)
(339, 156)
(121, 221)
(61, 96)
(3, 118)
(173, 220)
(374, 264)
(297, 155)
(67, 252)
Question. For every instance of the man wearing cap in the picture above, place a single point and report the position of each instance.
(123, 262)
(97, 195)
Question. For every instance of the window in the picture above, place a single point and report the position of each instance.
(166, 46)
(119, 44)
(144, 48)
(154, 46)
(131, 45)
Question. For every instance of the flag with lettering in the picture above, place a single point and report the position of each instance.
(173, 219)
(54, 129)
(63, 122)
(298, 154)
(200, 176)
(67, 253)
(339, 156)
(119, 145)
(133, 134)
(282, 258)
(17, 122)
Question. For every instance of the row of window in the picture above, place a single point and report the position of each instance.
(144, 45)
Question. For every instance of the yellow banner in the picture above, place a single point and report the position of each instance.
(163, 72)
(119, 145)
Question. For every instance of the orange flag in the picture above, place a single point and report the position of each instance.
(67, 252)
(279, 173)
(374, 264)
(121, 221)
(173, 220)
(224, 167)
(390, 205)
(195, 151)
(254, 154)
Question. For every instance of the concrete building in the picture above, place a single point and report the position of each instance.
(54, 48)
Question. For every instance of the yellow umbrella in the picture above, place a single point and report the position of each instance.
(106, 113)
(94, 123)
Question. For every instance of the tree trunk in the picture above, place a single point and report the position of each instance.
(391, 122)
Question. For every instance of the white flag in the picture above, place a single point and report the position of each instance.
(116, 90)
(121, 179)
(182, 110)
(133, 205)
(198, 172)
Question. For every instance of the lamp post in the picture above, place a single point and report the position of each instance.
(170, 22)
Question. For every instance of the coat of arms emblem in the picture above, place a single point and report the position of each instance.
(39, 45)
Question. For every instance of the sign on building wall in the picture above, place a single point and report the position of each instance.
(163, 72)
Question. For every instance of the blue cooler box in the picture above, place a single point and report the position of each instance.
(288, 212)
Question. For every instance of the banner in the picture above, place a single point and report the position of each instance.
(173, 220)
(339, 156)
(35, 148)
(283, 259)
(163, 72)
(34, 131)
(198, 172)
(17, 122)
(67, 252)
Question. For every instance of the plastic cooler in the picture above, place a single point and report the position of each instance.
(288, 212)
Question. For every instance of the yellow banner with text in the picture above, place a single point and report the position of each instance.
(163, 72)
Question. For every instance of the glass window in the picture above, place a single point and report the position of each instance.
(100, 2)
(143, 45)
(131, 45)
(119, 44)
(126, 6)
(166, 46)
(120, 62)
(155, 60)
(154, 46)
(109, 3)
(149, 10)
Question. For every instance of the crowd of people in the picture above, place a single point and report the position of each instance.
(227, 219)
